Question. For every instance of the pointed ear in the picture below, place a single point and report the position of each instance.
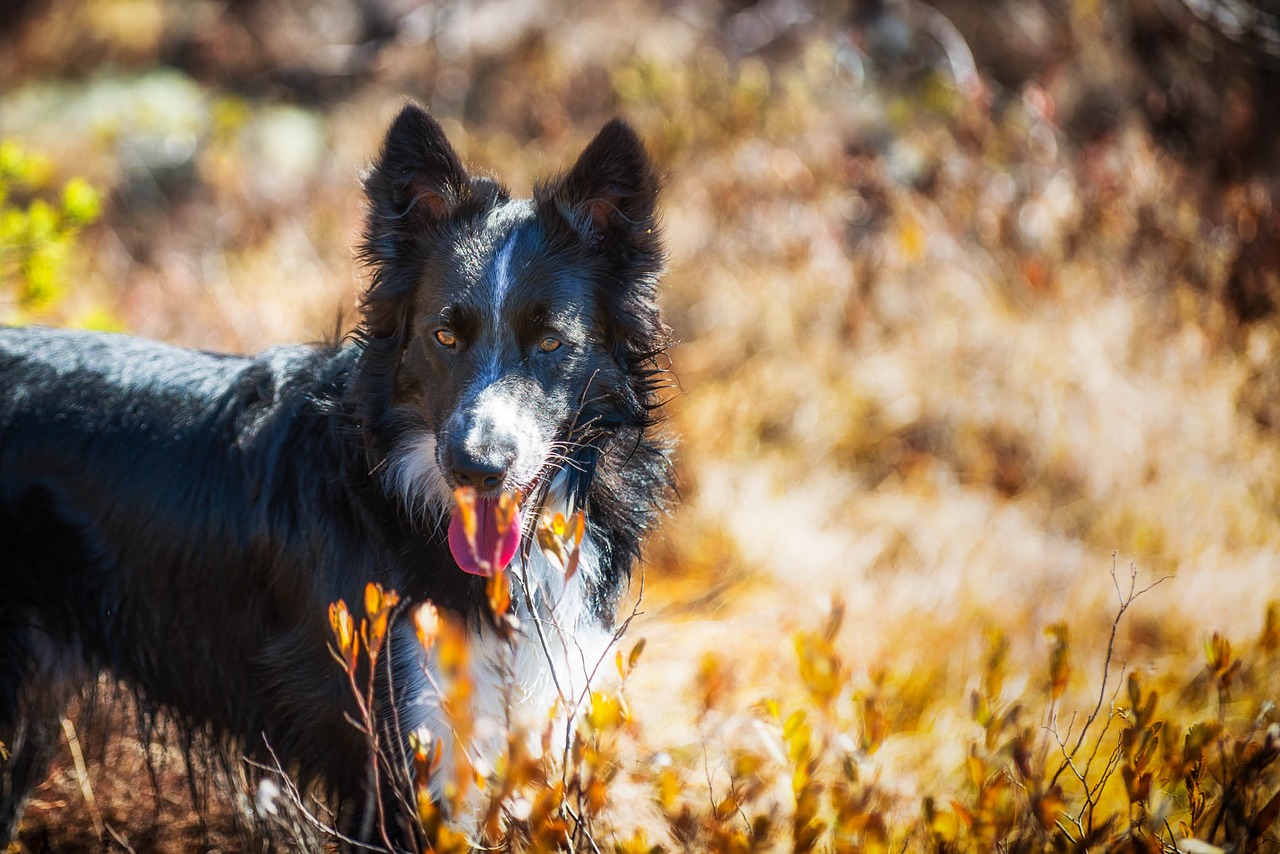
(610, 195)
(416, 183)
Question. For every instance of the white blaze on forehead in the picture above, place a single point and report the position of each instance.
(502, 273)
(510, 217)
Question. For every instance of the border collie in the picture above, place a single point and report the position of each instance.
(182, 519)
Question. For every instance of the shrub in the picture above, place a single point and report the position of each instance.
(1135, 772)
(36, 234)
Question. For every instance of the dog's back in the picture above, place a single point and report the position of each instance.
(147, 531)
(98, 437)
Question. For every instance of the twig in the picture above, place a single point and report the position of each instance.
(82, 775)
(1125, 600)
(1067, 833)
(365, 704)
(1098, 743)
(580, 826)
(295, 798)
(1091, 795)
(537, 625)
(120, 839)
(711, 789)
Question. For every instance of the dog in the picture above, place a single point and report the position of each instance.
(182, 520)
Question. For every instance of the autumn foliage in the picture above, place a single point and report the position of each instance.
(979, 428)
(1123, 775)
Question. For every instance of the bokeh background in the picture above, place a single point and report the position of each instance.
(977, 304)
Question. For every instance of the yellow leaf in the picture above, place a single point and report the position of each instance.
(911, 238)
(81, 203)
(605, 712)
(561, 539)
(977, 768)
(597, 794)
(551, 544)
(635, 654)
(1049, 807)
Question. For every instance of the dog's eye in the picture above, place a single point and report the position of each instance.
(446, 338)
(549, 344)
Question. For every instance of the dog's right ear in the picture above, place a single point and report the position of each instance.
(417, 182)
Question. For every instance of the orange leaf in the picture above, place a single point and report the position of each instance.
(465, 499)
(344, 630)
(549, 540)
(561, 539)
(372, 598)
(426, 619)
(505, 511)
(499, 590)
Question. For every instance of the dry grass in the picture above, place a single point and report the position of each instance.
(943, 362)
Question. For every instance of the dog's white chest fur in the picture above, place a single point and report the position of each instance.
(540, 676)
(556, 650)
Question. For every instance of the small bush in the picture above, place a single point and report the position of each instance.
(37, 234)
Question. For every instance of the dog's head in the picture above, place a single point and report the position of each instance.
(506, 342)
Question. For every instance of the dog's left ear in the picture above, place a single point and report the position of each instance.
(610, 196)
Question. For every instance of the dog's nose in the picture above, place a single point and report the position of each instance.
(469, 470)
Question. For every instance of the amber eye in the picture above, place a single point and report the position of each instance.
(549, 344)
(446, 338)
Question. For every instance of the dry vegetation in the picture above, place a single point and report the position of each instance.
(980, 432)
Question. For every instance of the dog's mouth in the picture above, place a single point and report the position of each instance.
(484, 533)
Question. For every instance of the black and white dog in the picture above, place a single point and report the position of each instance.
(183, 519)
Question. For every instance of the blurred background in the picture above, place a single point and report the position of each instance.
(977, 301)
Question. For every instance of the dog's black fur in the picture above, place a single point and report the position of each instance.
(183, 519)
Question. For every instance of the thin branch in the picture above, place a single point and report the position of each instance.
(82, 775)
(1125, 600)
(581, 827)
(1110, 717)
(120, 839)
(295, 799)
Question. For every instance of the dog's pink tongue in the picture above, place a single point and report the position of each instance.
(494, 549)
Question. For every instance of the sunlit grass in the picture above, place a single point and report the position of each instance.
(941, 363)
